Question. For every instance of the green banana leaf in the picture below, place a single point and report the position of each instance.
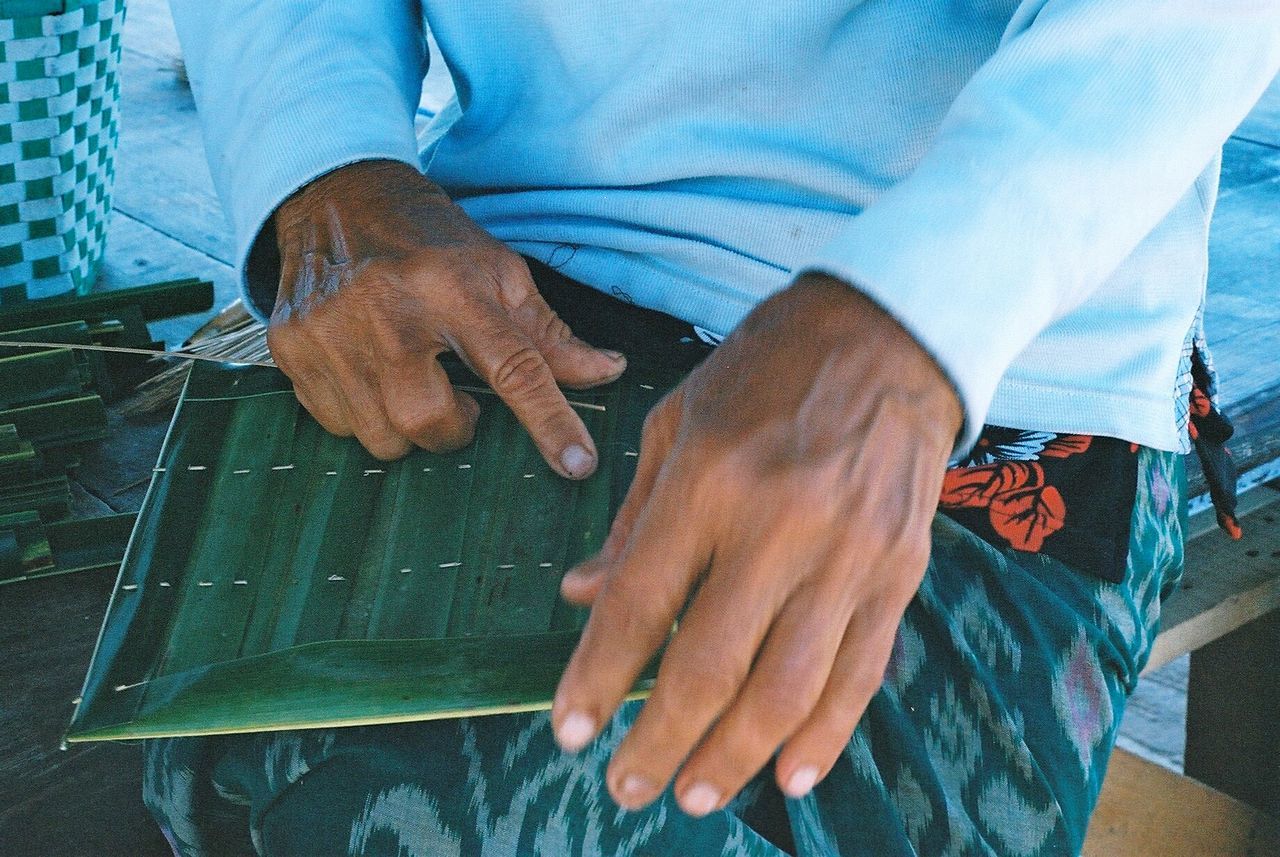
(24, 547)
(279, 577)
(60, 422)
(48, 493)
(17, 455)
(27, 379)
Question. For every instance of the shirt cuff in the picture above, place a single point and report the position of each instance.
(950, 320)
(258, 256)
(279, 171)
(286, 136)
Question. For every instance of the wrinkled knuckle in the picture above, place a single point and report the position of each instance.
(386, 448)
(426, 418)
(411, 421)
(521, 374)
(554, 329)
(509, 266)
(282, 338)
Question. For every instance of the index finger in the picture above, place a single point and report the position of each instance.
(511, 364)
(631, 617)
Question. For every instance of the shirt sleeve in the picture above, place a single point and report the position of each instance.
(289, 90)
(1071, 144)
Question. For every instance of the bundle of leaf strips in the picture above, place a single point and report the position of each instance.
(53, 399)
(233, 335)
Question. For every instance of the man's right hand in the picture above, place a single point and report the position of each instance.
(380, 274)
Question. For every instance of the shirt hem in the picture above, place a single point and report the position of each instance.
(1145, 420)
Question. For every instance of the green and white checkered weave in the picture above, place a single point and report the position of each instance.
(59, 94)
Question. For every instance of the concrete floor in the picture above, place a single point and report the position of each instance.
(1155, 722)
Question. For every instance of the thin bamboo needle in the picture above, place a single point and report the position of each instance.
(120, 349)
(187, 355)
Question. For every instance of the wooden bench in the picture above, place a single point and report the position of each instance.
(1226, 614)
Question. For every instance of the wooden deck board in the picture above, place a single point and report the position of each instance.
(162, 176)
(1146, 811)
(1242, 312)
(85, 801)
(140, 253)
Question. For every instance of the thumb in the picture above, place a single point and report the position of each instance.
(583, 583)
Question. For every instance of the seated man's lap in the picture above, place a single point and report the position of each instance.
(1002, 698)
(989, 736)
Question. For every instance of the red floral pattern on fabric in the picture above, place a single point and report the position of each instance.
(1022, 509)
(1026, 518)
(1071, 496)
(1067, 444)
(969, 487)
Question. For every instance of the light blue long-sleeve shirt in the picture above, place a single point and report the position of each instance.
(1025, 186)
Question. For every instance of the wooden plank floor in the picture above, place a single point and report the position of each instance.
(167, 223)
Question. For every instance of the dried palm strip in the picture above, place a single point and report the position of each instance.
(233, 336)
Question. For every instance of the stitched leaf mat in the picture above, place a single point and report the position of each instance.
(279, 577)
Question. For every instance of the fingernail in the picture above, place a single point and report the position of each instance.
(575, 732)
(700, 799)
(615, 356)
(801, 781)
(636, 789)
(576, 577)
(576, 460)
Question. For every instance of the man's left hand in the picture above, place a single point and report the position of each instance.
(788, 485)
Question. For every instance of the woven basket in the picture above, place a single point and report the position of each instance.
(59, 96)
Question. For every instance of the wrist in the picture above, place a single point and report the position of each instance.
(355, 182)
(834, 315)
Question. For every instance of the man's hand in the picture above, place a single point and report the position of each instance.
(381, 273)
(790, 482)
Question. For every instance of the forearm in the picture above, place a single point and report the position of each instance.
(1062, 153)
(288, 91)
